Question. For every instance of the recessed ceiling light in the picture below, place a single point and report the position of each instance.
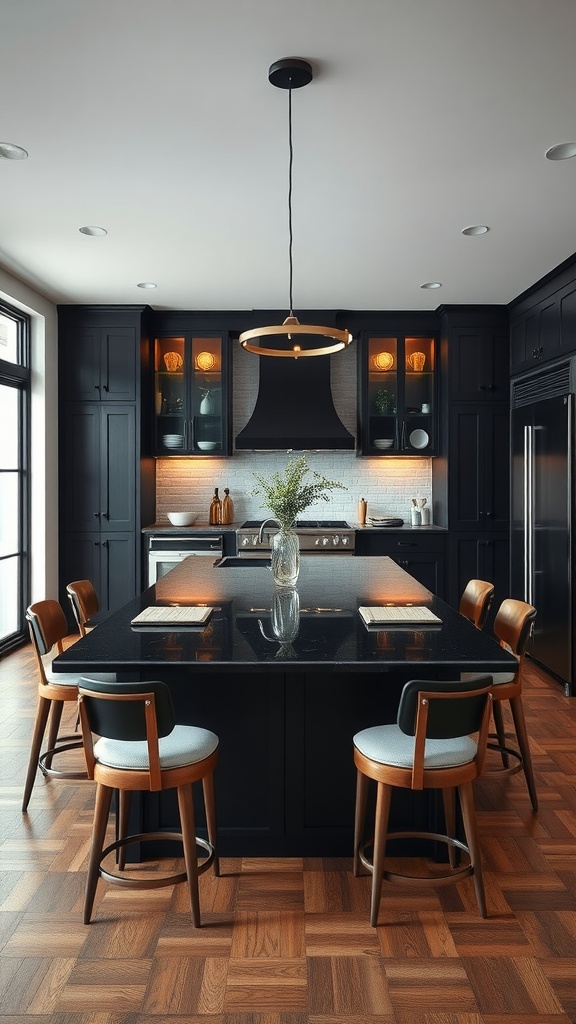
(8, 151)
(91, 229)
(562, 152)
(476, 229)
(431, 284)
(146, 284)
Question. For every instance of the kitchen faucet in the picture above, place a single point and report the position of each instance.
(263, 524)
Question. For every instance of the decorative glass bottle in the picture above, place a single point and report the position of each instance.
(285, 557)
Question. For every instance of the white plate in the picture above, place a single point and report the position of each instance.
(419, 439)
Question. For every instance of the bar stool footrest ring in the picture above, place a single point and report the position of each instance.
(58, 773)
(405, 879)
(153, 883)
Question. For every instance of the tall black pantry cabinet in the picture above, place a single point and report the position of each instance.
(472, 478)
(106, 476)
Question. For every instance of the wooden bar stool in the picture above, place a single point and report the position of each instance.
(85, 603)
(48, 628)
(140, 747)
(476, 601)
(430, 747)
(512, 626)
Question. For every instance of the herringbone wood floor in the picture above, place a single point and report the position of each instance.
(288, 942)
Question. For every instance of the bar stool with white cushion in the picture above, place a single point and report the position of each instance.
(431, 746)
(48, 628)
(140, 747)
(512, 626)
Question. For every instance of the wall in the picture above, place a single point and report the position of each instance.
(44, 432)
(387, 484)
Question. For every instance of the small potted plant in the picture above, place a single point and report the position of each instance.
(384, 402)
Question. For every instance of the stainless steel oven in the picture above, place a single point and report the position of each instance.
(164, 552)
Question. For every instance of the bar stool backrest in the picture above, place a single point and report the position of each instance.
(513, 623)
(84, 601)
(476, 601)
(454, 708)
(118, 710)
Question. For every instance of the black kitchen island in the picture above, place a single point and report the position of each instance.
(286, 680)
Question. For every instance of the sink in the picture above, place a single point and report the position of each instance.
(242, 561)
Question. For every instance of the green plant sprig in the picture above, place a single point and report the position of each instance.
(286, 494)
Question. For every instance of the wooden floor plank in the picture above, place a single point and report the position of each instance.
(287, 940)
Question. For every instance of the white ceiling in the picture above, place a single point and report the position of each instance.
(155, 119)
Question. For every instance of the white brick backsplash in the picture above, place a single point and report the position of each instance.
(387, 484)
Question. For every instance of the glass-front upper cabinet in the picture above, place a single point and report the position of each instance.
(397, 399)
(191, 394)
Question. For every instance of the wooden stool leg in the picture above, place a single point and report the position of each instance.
(54, 726)
(210, 807)
(469, 818)
(42, 712)
(362, 783)
(524, 747)
(449, 801)
(124, 801)
(101, 812)
(188, 829)
(500, 731)
(383, 799)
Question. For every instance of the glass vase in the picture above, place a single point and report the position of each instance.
(285, 557)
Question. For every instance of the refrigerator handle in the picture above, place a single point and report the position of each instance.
(528, 513)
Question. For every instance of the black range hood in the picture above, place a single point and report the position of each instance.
(294, 409)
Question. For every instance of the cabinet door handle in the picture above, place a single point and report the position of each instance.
(96, 515)
(482, 387)
(96, 543)
(405, 544)
(104, 515)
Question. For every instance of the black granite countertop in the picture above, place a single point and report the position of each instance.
(330, 633)
(164, 526)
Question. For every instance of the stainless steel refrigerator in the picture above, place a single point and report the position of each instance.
(543, 513)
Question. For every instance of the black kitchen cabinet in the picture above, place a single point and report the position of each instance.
(478, 363)
(108, 560)
(471, 477)
(482, 557)
(98, 364)
(422, 555)
(397, 403)
(543, 320)
(107, 482)
(479, 459)
(97, 454)
(191, 393)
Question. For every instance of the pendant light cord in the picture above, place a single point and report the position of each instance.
(290, 162)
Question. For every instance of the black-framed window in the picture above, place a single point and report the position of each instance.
(14, 476)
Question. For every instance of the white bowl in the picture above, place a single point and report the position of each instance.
(207, 446)
(182, 518)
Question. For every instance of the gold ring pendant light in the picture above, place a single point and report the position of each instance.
(292, 73)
